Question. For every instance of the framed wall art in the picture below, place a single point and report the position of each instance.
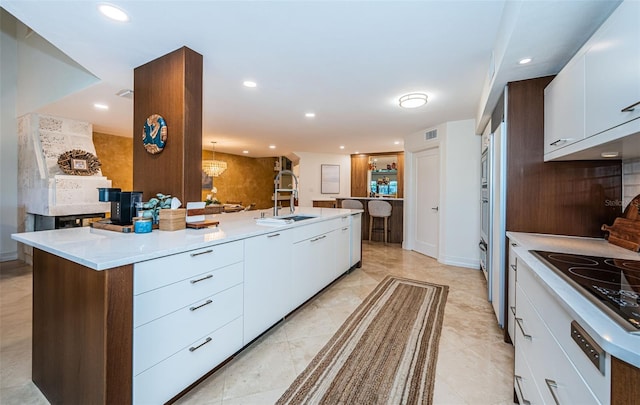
(330, 179)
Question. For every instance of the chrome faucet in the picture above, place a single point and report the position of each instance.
(293, 191)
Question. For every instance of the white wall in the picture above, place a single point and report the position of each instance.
(459, 229)
(8, 137)
(309, 176)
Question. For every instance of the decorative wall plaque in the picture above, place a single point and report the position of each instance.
(154, 134)
(79, 163)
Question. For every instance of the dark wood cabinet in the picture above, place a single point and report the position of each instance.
(359, 168)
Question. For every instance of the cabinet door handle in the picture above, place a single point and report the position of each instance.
(194, 348)
(560, 141)
(519, 322)
(201, 253)
(435, 208)
(273, 235)
(202, 279)
(345, 229)
(318, 238)
(630, 108)
(552, 385)
(513, 310)
(518, 379)
(514, 244)
(514, 267)
(201, 305)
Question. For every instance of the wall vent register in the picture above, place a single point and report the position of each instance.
(613, 285)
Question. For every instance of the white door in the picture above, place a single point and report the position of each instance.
(427, 174)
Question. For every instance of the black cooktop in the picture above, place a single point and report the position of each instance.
(612, 284)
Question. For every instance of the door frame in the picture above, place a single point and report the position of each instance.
(410, 198)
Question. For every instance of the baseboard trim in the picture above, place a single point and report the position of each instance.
(461, 262)
(9, 256)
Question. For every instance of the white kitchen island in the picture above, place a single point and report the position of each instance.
(140, 318)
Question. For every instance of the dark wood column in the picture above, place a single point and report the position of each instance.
(170, 86)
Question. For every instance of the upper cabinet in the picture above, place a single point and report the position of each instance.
(377, 174)
(564, 107)
(595, 99)
(612, 67)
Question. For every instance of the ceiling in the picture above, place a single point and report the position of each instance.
(346, 61)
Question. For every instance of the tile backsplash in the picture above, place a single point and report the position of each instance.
(630, 180)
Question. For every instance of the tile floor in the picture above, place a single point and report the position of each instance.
(474, 364)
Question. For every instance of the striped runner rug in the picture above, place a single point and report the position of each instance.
(384, 353)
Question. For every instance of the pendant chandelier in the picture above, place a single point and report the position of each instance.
(213, 167)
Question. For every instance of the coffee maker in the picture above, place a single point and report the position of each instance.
(123, 204)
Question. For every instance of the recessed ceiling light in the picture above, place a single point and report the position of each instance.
(357, 152)
(113, 12)
(396, 143)
(272, 146)
(524, 61)
(100, 106)
(341, 146)
(245, 151)
(609, 154)
(249, 83)
(413, 100)
(310, 115)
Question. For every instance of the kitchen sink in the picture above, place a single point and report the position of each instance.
(299, 217)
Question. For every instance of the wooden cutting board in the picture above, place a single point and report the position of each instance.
(112, 227)
(633, 209)
(624, 232)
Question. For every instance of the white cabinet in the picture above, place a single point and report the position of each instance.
(313, 266)
(187, 314)
(511, 293)
(356, 239)
(612, 66)
(595, 99)
(267, 281)
(549, 365)
(564, 107)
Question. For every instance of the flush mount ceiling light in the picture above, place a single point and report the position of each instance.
(310, 115)
(100, 106)
(524, 61)
(609, 154)
(413, 100)
(272, 146)
(249, 83)
(113, 12)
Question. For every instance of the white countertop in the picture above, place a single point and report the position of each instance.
(101, 249)
(605, 331)
(371, 198)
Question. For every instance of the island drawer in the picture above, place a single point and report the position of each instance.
(555, 374)
(304, 232)
(159, 339)
(170, 269)
(558, 321)
(163, 381)
(161, 301)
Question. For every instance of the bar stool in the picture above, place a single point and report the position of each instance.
(379, 209)
(352, 204)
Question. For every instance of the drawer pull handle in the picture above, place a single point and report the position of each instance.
(201, 253)
(518, 379)
(200, 306)
(519, 322)
(514, 244)
(513, 310)
(345, 229)
(273, 235)
(318, 238)
(194, 348)
(630, 108)
(202, 279)
(552, 385)
(560, 141)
